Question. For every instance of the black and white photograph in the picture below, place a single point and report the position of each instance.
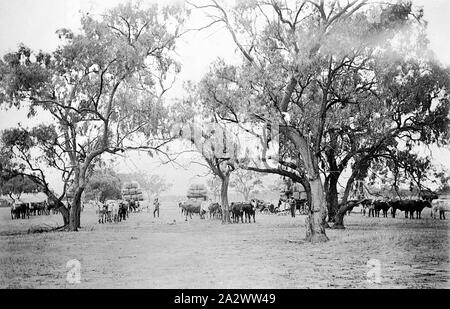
(245, 145)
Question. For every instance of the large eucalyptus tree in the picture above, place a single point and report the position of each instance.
(101, 87)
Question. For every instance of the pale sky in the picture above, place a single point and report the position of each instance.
(34, 22)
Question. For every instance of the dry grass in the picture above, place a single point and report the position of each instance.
(147, 253)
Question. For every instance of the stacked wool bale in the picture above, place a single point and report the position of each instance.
(131, 191)
(197, 192)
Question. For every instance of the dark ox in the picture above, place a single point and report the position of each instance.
(123, 210)
(367, 204)
(241, 210)
(379, 206)
(39, 208)
(237, 212)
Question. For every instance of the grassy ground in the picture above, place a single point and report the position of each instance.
(143, 252)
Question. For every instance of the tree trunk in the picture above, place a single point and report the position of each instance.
(315, 222)
(246, 196)
(75, 210)
(64, 212)
(339, 218)
(332, 197)
(315, 225)
(224, 199)
(60, 206)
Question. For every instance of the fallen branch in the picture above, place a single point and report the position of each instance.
(46, 229)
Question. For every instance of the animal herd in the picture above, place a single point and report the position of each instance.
(243, 212)
(118, 210)
(188, 208)
(115, 210)
(22, 210)
(412, 208)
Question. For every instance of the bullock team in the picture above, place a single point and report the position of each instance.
(411, 208)
(115, 210)
(118, 210)
(285, 206)
(240, 212)
(110, 211)
(244, 212)
(188, 208)
(22, 210)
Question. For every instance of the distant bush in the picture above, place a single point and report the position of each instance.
(3, 203)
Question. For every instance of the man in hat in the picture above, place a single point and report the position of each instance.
(156, 207)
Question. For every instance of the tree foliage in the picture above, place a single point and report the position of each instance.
(335, 77)
(103, 185)
(103, 88)
(14, 187)
(246, 182)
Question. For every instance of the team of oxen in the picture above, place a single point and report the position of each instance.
(239, 211)
(115, 210)
(118, 210)
(109, 211)
(412, 208)
(23, 210)
(245, 211)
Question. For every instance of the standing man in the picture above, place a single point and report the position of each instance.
(156, 209)
(292, 203)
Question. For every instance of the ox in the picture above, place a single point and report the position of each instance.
(112, 207)
(249, 210)
(189, 208)
(215, 211)
(102, 210)
(204, 208)
(237, 212)
(366, 204)
(381, 206)
(441, 206)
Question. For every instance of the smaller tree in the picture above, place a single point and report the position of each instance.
(443, 178)
(246, 182)
(103, 185)
(157, 184)
(214, 185)
(15, 186)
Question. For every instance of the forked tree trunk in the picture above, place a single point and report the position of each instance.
(75, 210)
(333, 177)
(315, 222)
(64, 212)
(224, 199)
(339, 218)
(60, 207)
